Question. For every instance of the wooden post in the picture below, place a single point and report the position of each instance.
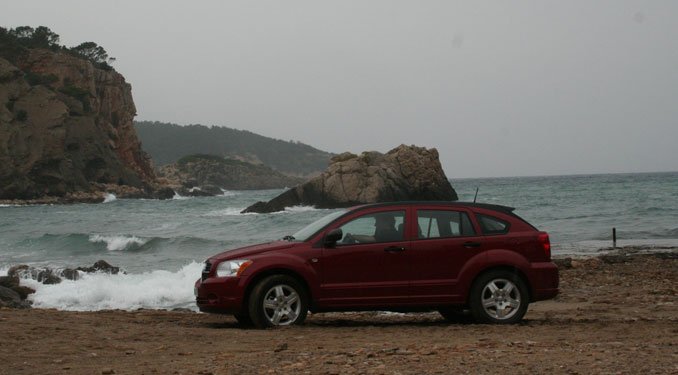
(614, 238)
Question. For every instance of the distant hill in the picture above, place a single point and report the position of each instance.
(167, 143)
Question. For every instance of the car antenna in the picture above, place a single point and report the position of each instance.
(476, 196)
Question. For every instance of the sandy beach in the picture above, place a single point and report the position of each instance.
(615, 314)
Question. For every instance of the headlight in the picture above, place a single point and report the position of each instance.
(232, 267)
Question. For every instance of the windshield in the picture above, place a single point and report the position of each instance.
(315, 226)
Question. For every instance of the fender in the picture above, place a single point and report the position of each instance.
(490, 259)
(285, 261)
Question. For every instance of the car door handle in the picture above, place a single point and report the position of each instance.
(394, 249)
(470, 245)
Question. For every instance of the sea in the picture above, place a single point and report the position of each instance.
(161, 244)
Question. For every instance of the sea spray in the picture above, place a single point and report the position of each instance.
(110, 198)
(157, 289)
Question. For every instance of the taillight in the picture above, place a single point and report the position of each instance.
(545, 243)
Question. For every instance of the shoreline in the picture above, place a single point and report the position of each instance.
(613, 315)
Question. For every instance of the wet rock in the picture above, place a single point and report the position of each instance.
(164, 193)
(23, 291)
(18, 271)
(101, 266)
(70, 274)
(10, 298)
(404, 173)
(9, 281)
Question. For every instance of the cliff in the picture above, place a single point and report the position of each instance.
(66, 129)
(205, 171)
(404, 173)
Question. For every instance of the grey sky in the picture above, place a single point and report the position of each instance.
(501, 88)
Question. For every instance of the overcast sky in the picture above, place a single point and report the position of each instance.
(500, 88)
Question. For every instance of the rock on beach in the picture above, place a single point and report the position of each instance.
(404, 173)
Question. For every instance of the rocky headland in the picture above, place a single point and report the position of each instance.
(203, 175)
(66, 131)
(404, 173)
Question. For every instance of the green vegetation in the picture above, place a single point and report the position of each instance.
(198, 157)
(81, 94)
(15, 42)
(167, 143)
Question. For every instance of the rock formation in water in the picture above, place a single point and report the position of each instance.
(404, 173)
(208, 174)
(66, 130)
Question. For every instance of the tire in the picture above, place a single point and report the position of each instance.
(278, 300)
(499, 297)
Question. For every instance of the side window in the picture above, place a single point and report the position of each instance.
(377, 227)
(492, 225)
(438, 224)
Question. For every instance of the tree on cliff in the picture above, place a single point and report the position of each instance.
(40, 37)
(14, 41)
(93, 52)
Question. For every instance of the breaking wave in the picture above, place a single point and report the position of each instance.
(101, 291)
(119, 243)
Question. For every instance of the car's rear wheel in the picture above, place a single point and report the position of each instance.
(499, 297)
(278, 300)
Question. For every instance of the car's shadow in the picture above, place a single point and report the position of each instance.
(358, 322)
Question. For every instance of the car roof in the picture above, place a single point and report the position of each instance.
(493, 207)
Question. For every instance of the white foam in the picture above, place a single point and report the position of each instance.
(296, 209)
(100, 291)
(3, 271)
(228, 193)
(110, 198)
(118, 243)
(230, 211)
(179, 197)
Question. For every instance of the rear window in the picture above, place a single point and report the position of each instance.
(438, 224)
(492, 225)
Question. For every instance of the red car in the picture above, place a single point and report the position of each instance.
(403, 256)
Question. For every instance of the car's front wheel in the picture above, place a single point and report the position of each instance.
(278, 300)
(499, 297)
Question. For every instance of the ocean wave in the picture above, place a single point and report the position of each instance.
(110, 198)
(119, 243)
(301, 209)
(230, 211)
(99, 291)
(228, 193)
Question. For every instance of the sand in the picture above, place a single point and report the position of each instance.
(617, 315)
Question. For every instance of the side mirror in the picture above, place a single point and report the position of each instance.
(333, 236)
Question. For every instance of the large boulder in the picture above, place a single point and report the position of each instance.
(404, 173)
(12, 299)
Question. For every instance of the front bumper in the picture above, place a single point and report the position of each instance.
(222, 295)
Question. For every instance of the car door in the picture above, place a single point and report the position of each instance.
(445, 241)
(363, 271)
